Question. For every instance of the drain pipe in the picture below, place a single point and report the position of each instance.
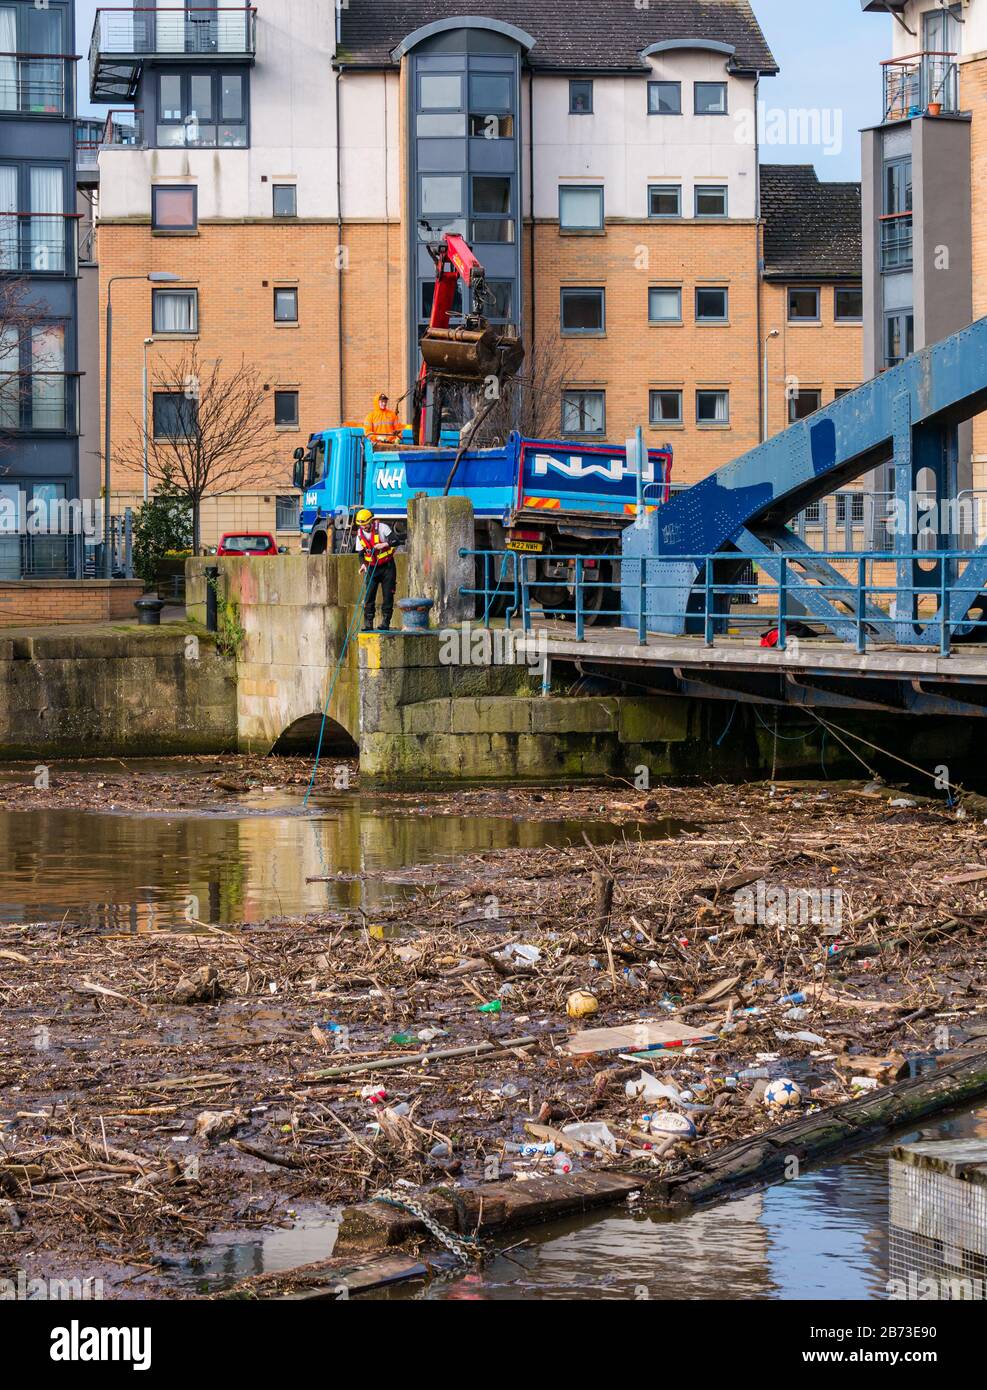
(339, 250)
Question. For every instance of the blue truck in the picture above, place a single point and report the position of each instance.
(540, 497)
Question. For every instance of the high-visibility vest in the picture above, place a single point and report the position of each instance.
(372, 540)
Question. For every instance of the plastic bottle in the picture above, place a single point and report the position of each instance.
(561, 1163)
(493, 1008)
(531, 1150)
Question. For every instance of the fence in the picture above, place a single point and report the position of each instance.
(587, 590)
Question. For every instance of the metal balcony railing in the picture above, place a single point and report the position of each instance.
(36, 84)
(920, 84)
(39, 243)
(86, 155)
(123, 39)
(124, 128)
(39, 402)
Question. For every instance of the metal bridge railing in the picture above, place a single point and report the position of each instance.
(512, 586)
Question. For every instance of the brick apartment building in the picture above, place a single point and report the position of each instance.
(281, 160)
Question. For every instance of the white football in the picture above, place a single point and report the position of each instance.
(781, 1093)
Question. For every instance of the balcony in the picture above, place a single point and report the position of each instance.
(38, 243)
(922, 84)
(125, 39)
(124, 129)
(39, 402)
(33, 84)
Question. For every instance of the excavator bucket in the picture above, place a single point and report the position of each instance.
(471, 354)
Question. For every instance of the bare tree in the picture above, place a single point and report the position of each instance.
(215, 439)
(531, 401)
(20, 315)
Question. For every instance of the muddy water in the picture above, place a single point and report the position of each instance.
(264, 859)
(824, 1236)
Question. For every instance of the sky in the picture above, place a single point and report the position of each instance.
(829, 53)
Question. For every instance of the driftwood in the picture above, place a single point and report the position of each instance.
(765, 1158)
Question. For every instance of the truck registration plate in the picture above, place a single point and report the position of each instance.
(535, 547)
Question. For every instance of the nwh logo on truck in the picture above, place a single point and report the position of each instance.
(390, 478)
(615, 470)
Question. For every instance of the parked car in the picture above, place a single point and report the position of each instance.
(247, 543)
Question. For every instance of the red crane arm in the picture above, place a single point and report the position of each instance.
(456, 262)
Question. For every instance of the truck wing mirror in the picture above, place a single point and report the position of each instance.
(298, 472)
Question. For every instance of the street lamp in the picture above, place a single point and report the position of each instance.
(764, 382)
(156, 277)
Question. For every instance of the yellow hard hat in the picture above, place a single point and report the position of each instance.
(364, 515)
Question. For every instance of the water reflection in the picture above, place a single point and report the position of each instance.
(138, 872)
(823, 1236)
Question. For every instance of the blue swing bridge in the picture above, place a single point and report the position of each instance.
(721, 589)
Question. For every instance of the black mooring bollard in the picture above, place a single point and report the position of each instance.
(149, 611)
(212, 598)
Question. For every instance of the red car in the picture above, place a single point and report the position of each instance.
(247, 543)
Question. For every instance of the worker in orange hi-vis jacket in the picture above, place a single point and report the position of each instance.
(382, 425)
(374, 544)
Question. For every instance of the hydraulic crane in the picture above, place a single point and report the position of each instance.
(469, 352)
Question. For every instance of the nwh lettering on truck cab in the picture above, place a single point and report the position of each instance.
(390, 479)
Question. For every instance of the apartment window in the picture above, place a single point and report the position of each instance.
(665, 407)
(491, 91)
(856, 509)
(848, 305)
(175, 311)
(711, 305)
(491, 198)
(428, 298)
(899, 337)
(500, 305)
(33, 78)
(712, 407)
(38, 244)
(174, 209)
(442, 194)
(286, 514)
(803, 305)
(803, 403)
(440, 91)
(584, 412)
(664, 200)
(201, 108)
(175, 415)
(581, 208)
(580, 98)
(582, 312)
(664, 304)
(286, 306)
(286, 409)
(711, 200)
(486, 126)
(896, 222)
(285, 200)
(711, 98)
(664, 98)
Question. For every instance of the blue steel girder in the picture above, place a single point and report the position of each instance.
(909, 414)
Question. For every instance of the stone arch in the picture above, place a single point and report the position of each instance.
(302, 735)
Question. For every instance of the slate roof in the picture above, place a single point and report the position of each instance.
(812, 229)
(571, 35)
